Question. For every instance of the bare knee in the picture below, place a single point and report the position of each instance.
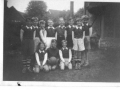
(46, 68)
(62, 66)
(70, 66)
(54, 67)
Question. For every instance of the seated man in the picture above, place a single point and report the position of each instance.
(41, 59)
(65, 56)
(53, 55)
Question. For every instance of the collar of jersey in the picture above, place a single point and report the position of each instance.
(51, 27)
(35, 26)
(84, 24)
(78, 27)
(29, 27)
(41, 51)
(61, 26)
(64, 48)
(71, 26)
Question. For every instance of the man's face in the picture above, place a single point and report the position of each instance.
(35, 23)
(50, 23)
(53, 44)
(28, 23)
(71, 22)
(42, 46)
(64, 44)
(42, 25)
(79, 23)
(61, 22)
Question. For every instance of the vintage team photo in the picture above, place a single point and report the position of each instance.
(61, 40)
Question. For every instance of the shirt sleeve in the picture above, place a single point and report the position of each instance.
(34, 34)
(45, 58)
(65, 34)
(73, 35)
(47, 51)
(45, 35)
(56, 35)
(83, 34)
(90, 30)
(61, 56)
(42, 36)
(70, 55)
(37, 59)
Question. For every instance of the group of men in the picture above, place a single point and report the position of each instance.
(54, 47)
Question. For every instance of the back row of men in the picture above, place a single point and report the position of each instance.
(77, 38)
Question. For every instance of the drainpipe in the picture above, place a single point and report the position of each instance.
(85, 8)
(71, 8)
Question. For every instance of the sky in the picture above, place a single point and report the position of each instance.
(21, 5)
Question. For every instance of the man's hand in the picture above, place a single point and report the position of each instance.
(66, 62)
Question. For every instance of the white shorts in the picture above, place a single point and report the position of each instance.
(48, 41)
(78, 44)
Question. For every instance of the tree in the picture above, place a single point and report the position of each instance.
(36, 9)
(79, 13)
(65, 14)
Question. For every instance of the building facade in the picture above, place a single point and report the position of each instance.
(106, 17)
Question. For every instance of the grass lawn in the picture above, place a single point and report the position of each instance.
(104, 67)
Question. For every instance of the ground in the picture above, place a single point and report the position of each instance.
(104, 67)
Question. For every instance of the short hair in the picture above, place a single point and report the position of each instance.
(78, 19)
(34, 19)
(64, 41)
(41, 22)
(50, 20)
(61, 18)
(53, 40)
(40, 44)
(28, 19)
(85, 17)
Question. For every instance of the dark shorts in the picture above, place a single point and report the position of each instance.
(27, 47)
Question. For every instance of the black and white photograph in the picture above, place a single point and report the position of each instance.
(61, 41)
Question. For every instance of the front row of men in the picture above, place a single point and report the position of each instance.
(54, 47)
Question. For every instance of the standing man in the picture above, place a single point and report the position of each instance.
(27, 35)
(69, 33)
(60, 33)
(43, 32)
(50, 33)
(37, 32)
(88, 32)
(78, 44)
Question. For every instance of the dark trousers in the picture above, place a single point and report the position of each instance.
(27, 51)
(59, 41)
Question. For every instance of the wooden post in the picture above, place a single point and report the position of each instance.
(85, 8)
(71, 8)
